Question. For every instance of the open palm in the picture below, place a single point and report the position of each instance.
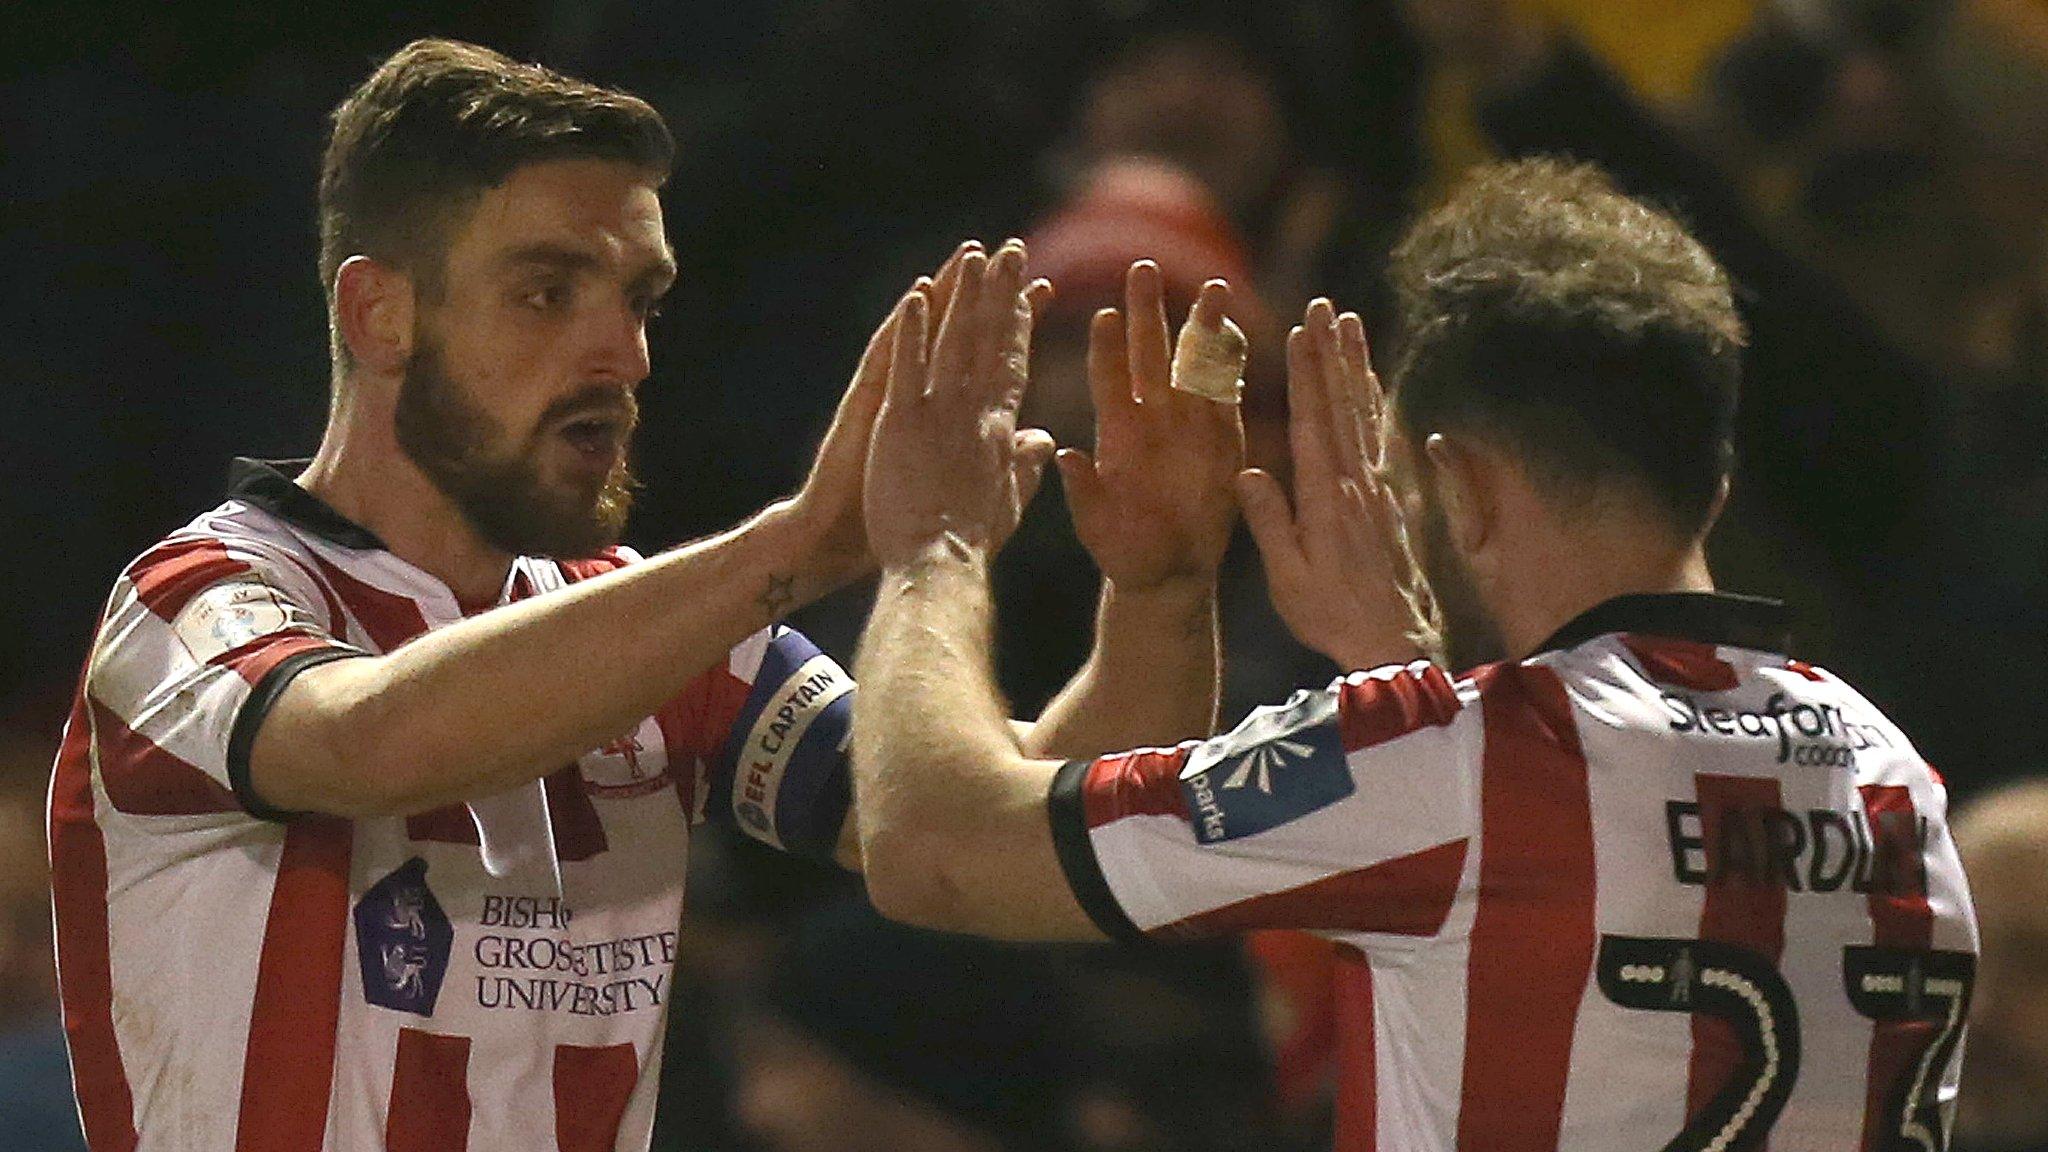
(1154, 503)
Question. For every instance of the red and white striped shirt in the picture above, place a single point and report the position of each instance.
(1658, 886)
(492, 975)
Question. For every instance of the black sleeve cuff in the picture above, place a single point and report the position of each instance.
(242, 737)
(1069, 816)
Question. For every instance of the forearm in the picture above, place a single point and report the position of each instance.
(952, 819)
(502, 698)
(1153, 678)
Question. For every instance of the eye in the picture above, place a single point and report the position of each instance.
(548, 297)
(646, 307)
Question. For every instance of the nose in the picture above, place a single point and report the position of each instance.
(618, 349)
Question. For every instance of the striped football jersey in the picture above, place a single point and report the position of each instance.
(491, 975)
(1657, 886)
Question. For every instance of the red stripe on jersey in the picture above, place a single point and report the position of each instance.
(1375, 711)
(1143, 783)
(607, 561)
(1358, 1088)
(429, 1110)
(700, 717)
(288, 1067)
(169, 575)
(1899, 918)
(254, 660)
(592, 1086)
(1806, 670)
(579, 833)
(1532, 938)
(1406, 896)
(448, 824)
(1682, 663)
(85, 979)
(142, 779)
(389, 618)
(1744, 906)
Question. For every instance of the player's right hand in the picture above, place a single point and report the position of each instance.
(829, 504)
(947, 464)
(1337, 564)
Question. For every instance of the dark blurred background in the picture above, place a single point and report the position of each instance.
(1873, 172)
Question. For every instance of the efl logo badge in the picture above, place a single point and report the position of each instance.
(227, 616)
(402, 939)
(1279, 765)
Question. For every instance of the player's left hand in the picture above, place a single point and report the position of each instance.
(947, 462)
(1154, 504)
(1338, 565)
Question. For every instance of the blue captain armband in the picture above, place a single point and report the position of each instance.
(782, 775)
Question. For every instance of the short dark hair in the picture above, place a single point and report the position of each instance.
(439, 123)
(1588, 330)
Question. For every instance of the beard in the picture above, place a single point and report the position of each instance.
(1471, 636)
(501, 487)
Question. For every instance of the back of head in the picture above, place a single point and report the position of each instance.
(439, 123)
(1585, 331)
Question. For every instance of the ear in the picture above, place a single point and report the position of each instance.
(373, 308)
(1465, 490)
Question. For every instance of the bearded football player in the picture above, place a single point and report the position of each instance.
(369, 825)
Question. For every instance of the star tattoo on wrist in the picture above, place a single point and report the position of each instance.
(779, 595)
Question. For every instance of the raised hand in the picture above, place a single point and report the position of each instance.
(829, 503)
(1337, 565)
(1153, 505)
(946, 463)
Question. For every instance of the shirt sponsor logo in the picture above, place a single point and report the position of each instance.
(1809, 735)
(1279, 765)
(542, 969)
(635, 764)
(403, 938)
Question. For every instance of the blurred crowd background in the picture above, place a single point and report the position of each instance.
(1874, 173)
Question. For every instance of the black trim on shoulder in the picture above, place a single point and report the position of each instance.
(242, 737)
(1069, 815)
(1719, 618)
(267, 485)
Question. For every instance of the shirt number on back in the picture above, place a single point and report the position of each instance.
(1731, 984)
(1919, 998)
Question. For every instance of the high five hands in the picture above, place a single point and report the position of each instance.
(1338, 566)
(948, 468)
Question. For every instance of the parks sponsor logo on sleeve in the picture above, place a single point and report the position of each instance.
(403, 937)
(1279, 765)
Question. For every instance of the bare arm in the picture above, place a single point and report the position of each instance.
(953, 816)
(953, 813)
(501, 699)
(1153, 506)
(1154, 676)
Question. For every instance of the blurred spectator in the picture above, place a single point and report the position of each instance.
(2003, 1107)
(36, 1109)
(875, 1036)
(1897, 526)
